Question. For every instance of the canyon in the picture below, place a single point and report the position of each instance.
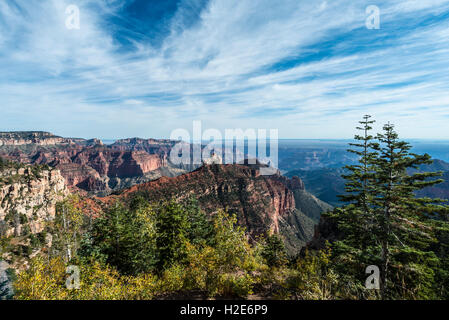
(128, 167)
(89, 165)
(263, 204)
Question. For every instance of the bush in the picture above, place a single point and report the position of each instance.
(235, 285)
(274, 251)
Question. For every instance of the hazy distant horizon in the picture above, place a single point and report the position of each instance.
(285, 140)
(437, 141)
(438, 149)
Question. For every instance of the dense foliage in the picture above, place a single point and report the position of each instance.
(140, 250)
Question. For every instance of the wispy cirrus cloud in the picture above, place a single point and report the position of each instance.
(143, 68)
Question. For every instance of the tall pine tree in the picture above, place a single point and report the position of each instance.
(403, 220)
(358, 181)
(383, 223)
(355, 219)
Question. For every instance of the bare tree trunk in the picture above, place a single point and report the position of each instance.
(386, 232)
(384, 270)
(68, 250)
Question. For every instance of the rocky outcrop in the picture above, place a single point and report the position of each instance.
(28, 198)
(88, 164)
(257, 201)
(113, 163)
(91, 166)
(263, 204)
(24, 138)
(150, 146)
(41, 138)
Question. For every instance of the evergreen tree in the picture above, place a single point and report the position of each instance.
(171, 234)
(200, 229)
(359, 181)
(274, 251)
(124, 239)
(403, 226)
(138, 237)
(383, 223)
(355, 220)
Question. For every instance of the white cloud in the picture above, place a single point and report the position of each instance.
(219, 69)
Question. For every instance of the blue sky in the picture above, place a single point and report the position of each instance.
(144, 68)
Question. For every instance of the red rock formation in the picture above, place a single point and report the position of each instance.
(76, 174)
(259, 201)
(86, 164)
(92, 167)
(151, 146)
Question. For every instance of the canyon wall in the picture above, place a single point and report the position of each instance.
(89, 165)
(28, 198)
(262, 204)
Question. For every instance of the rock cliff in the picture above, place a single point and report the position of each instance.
(24, 138)
(263, 204)
(28, 199)
(28, 196)
(90, 165)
